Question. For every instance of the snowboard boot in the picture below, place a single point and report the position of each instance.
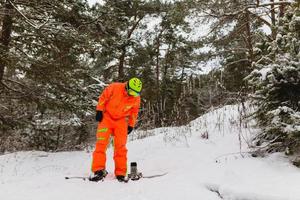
(99, 175)
(122, 179)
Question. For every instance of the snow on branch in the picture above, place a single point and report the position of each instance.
(246, 8)
(274, 3)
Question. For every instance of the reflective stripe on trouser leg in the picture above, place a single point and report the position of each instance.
(120, 150)
(99, 155)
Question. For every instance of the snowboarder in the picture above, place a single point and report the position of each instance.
(117, 112)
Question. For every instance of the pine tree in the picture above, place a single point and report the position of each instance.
(44, 73)
(276, 81)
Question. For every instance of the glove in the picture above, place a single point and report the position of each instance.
(99, 116)
(129, 129)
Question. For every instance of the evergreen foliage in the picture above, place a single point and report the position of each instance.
(44, 88)
(276, 80)
(57, 56)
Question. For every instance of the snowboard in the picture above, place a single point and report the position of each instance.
(112, 177)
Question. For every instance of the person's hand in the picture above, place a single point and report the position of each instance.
(99, 116)
(129, 129)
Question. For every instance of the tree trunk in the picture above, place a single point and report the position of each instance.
(273, 19)
(249, 36)
(5, 37)
(157, 66)
(123, 49)
(121, 64)
(158, 43)
(281, 9)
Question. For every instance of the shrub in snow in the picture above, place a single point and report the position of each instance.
(276, 81)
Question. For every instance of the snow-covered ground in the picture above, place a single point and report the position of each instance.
(198, 168)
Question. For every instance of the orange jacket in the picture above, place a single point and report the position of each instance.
(115, 101)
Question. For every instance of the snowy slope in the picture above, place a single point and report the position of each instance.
(198, 168)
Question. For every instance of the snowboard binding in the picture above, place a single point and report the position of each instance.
(134, 174)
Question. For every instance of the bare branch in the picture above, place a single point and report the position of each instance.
(238, 61)
(26, 19)
(16, 82)
(260, 18)
(11, 89)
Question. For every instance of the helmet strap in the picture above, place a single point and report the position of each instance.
(127, 86)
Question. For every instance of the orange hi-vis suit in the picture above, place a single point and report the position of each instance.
(120, 110)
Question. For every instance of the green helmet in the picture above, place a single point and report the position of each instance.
(134, 85)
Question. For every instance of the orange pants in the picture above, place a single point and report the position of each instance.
(118, 129)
